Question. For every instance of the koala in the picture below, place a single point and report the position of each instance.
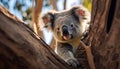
(68, 27)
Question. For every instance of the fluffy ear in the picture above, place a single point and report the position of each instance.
(83, 15)
(48, 19)
(81, 12)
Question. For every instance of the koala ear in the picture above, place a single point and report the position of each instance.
(80, 11)
(48, 19)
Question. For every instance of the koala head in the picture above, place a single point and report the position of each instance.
(69, 24)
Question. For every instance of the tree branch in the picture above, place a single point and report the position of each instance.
(36, 13)
(21, 48)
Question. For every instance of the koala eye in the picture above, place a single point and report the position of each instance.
(71, 25)
(58, 29)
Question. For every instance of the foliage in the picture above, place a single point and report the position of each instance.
(5, 3)
(22, 7)
(88, 4)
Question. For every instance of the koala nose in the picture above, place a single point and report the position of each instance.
(65, 30)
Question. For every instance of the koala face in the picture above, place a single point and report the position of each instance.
(67, 25)
(66, 28)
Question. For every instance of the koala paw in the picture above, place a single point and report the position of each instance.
(73, 62)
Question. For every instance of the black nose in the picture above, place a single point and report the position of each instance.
(65, 30)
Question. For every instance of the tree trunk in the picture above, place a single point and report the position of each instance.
(64, 4)
(35, 17)
(21, 48)
(105, 34)
(54, 5)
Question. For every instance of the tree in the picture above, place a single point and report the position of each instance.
(36, 14)
(104, 34)
(29, 51)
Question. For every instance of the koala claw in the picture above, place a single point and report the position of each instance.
(73, 62)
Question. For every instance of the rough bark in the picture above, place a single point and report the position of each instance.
(21, 48)
(105, 34)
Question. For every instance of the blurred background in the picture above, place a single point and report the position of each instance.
(30, 10)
